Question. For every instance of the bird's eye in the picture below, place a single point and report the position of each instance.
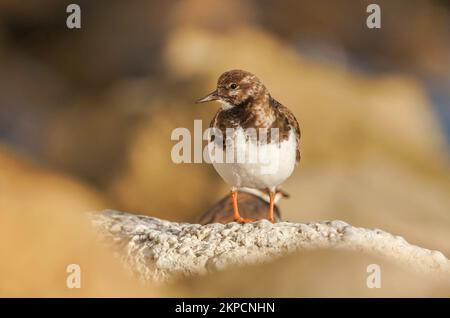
(233, 86)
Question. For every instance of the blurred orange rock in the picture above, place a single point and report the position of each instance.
(45, 228)
(316, 274)
(26, 187)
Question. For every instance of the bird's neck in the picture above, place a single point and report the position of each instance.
(251, 113)
(261, 111)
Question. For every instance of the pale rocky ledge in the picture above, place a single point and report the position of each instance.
(158, 250)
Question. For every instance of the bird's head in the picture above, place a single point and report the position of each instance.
(236, 88)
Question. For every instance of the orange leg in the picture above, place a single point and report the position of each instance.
(236, 216)
(271, 204)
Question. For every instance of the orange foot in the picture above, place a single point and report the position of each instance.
(244, 220)
(271, 206)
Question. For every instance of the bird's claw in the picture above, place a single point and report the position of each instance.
(244, 220)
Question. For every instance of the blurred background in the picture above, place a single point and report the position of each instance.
(86, 117)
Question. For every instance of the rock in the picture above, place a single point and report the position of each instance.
(160, 250)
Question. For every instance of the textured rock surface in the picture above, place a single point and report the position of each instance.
(158, 250)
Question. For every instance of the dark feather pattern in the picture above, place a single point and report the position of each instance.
(247, 105)
(248, 116)
(288, 121)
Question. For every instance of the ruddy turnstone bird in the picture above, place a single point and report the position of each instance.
(253, 202)
(247, 106)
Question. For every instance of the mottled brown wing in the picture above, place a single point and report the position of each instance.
(292, 121)
(211, 125)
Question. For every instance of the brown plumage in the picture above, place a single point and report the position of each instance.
(251, 106)
(248, 110)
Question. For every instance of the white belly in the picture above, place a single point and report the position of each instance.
(271, 166)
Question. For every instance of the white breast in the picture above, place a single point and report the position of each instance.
(272, 165)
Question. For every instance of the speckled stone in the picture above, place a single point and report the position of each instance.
(158, 250)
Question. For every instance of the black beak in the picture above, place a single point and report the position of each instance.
(210, 97)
